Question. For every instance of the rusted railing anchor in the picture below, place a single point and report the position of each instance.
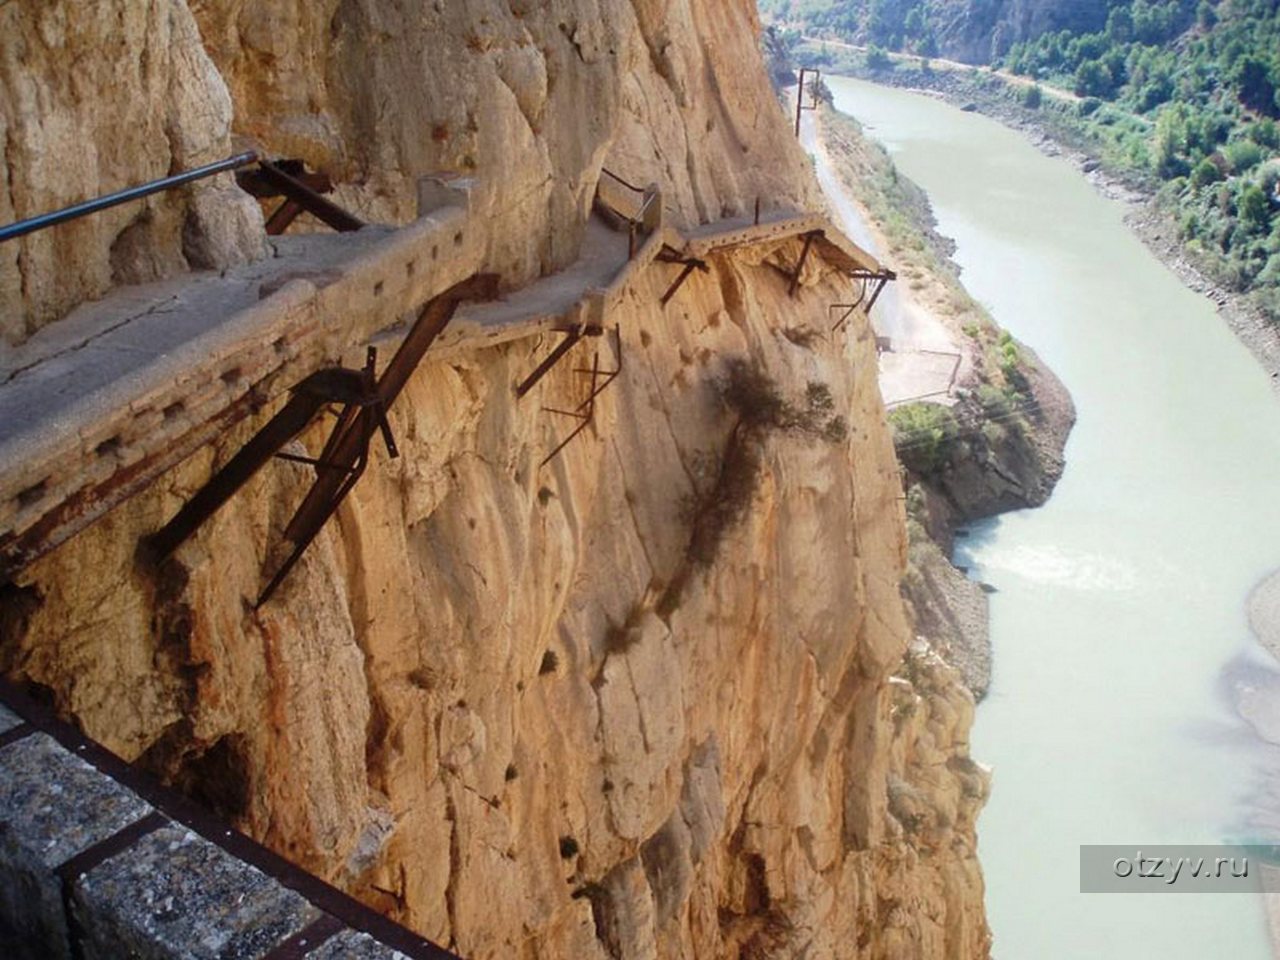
(668, 255)
(301, 191)
(585, 412)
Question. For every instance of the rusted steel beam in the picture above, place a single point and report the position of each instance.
(863, 278)
(349, 447)
(848, 309)
(311, 201)
(585, 411)
(668, 255)
(310, 518)
(305, 401)
(804, 256)
(879, 290)
(340, 465)
(282, 217)
(256, 185)
(541, 370)
(689, 267)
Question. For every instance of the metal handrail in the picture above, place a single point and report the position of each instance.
(613, 176)
(23, 227)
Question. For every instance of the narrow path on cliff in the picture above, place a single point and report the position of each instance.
(94, 407)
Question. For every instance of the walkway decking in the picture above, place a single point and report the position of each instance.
(97, 406)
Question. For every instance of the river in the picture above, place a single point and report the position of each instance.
(1118, 626)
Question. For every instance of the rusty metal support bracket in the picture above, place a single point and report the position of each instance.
(864, 278)
(668, 255)
(256, 184)
(301, 190)
(571, 336)
(800, 104)
(804, 256)
(879, 290)
(585, 412)
(848, 309)
(365, 400)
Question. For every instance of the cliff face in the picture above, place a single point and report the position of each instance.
(92, 100)
(649, 700)
(976, 31)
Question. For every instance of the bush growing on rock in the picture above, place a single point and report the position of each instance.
(924, 435)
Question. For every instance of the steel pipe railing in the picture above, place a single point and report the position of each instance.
(24, 227)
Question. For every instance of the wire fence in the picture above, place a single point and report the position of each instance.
(968, 423)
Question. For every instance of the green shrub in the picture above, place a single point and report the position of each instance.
(878, 59)
(1242, 155)
(924, 435)
(1253, 208)
(1031, 97)
(1205, 173)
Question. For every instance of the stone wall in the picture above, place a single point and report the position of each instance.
(93, 871)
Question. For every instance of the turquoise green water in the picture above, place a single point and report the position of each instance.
(1118, 626)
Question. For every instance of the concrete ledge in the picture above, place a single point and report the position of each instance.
(53, 806)
(173, 894)
(95, 869)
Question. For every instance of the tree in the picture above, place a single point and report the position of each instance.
(1205, 173)
(1170, 143)
(1251, 77)
(1092, 80)
(877, 58)
(1253, 208)
(1120, 25)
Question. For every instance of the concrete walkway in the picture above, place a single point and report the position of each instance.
(95, 407)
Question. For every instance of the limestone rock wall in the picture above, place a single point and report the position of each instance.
(95, 98)
(585, 709)
(529, 97)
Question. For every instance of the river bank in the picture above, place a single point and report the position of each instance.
(1117, 624)
(991, 439)
(986, 92)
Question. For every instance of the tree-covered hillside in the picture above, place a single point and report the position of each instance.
(1184, 92)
